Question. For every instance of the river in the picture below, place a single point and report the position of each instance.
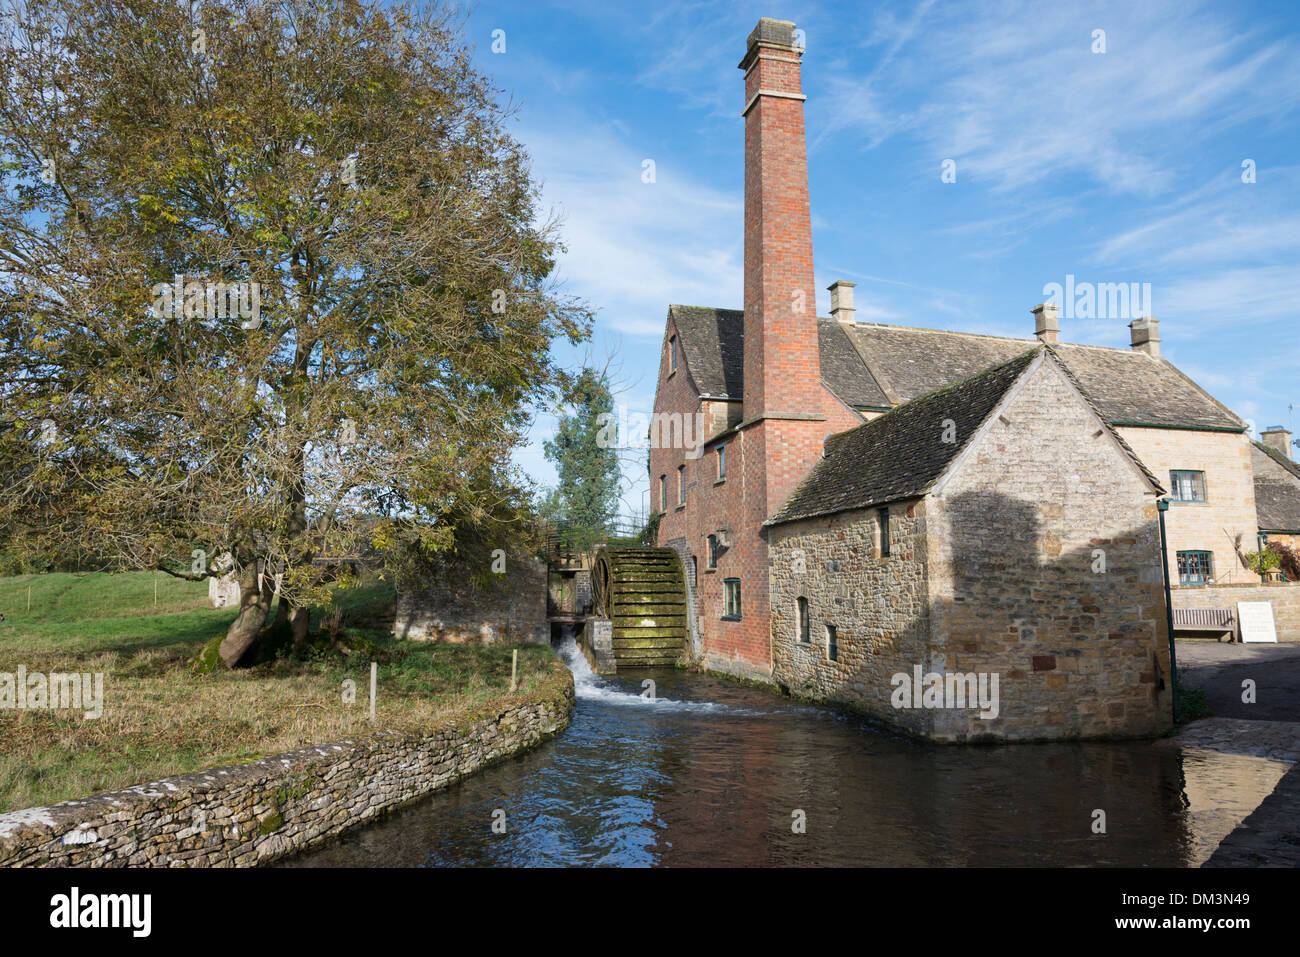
(714, 773)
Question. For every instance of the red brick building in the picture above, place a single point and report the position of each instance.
(773, 382)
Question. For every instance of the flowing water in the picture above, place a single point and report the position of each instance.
(712, 773)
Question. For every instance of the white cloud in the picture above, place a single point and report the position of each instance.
(635, 247)
(1015, 95)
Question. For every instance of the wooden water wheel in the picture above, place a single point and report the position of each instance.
(643, 592)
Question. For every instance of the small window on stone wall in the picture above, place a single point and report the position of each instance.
(832, 643)
(883, 516)
(801, 613)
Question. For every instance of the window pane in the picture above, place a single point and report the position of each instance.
(1187, 486)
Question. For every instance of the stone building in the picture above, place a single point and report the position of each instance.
(999, 526)
(774, 383)
(1277, 488)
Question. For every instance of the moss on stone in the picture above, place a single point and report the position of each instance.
(209, 659)
(271, 822)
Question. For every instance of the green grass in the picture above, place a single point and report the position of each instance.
(160, 719)
(1191, 705)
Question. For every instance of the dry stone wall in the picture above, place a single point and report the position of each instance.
(254, 813)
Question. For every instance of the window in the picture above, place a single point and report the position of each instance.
(801, 608)
(1187, 486)
(681, 485)
(832, 646)
(731, 599)
(1195, 568)
(663, 493)
(883, 513)
(713, 552)
(672, 354)
(722, 462)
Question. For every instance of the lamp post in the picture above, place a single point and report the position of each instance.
(1163, 506)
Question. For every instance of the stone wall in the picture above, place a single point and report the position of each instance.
(998, 571)
(249, 814)
(1229, 503)
(1046, 572)
(878, 605)
(1285, 598)
(510, 608)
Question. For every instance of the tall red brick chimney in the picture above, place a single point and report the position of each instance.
(782, 362)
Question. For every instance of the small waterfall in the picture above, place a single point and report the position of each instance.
(591, 686)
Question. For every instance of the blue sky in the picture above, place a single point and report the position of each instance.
(1122, 166)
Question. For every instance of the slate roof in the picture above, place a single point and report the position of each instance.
(894, 364)
(843, 370)
(1277, 489)
(712, 342)
(1128, 386)
(901, 454)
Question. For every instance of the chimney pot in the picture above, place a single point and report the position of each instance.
(1146, 335)
(842, 300)
(1047, 325)
(1276, 437)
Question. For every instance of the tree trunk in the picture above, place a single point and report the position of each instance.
(298, 620)
(254, 606)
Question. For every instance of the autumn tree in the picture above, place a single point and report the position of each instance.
(273, 286)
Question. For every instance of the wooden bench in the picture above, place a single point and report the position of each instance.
(1218, 620)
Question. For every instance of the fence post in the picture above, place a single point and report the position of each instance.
(374, 669)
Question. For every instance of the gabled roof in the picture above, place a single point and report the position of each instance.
(712, 344)
(844, 372)
(1277, 489)
(1127, 386)
(889, 365)
(902, 453)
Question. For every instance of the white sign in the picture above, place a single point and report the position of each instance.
(1256, 619)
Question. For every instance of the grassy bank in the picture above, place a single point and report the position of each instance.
(160, 719)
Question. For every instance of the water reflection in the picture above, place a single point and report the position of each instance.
(712, 774)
